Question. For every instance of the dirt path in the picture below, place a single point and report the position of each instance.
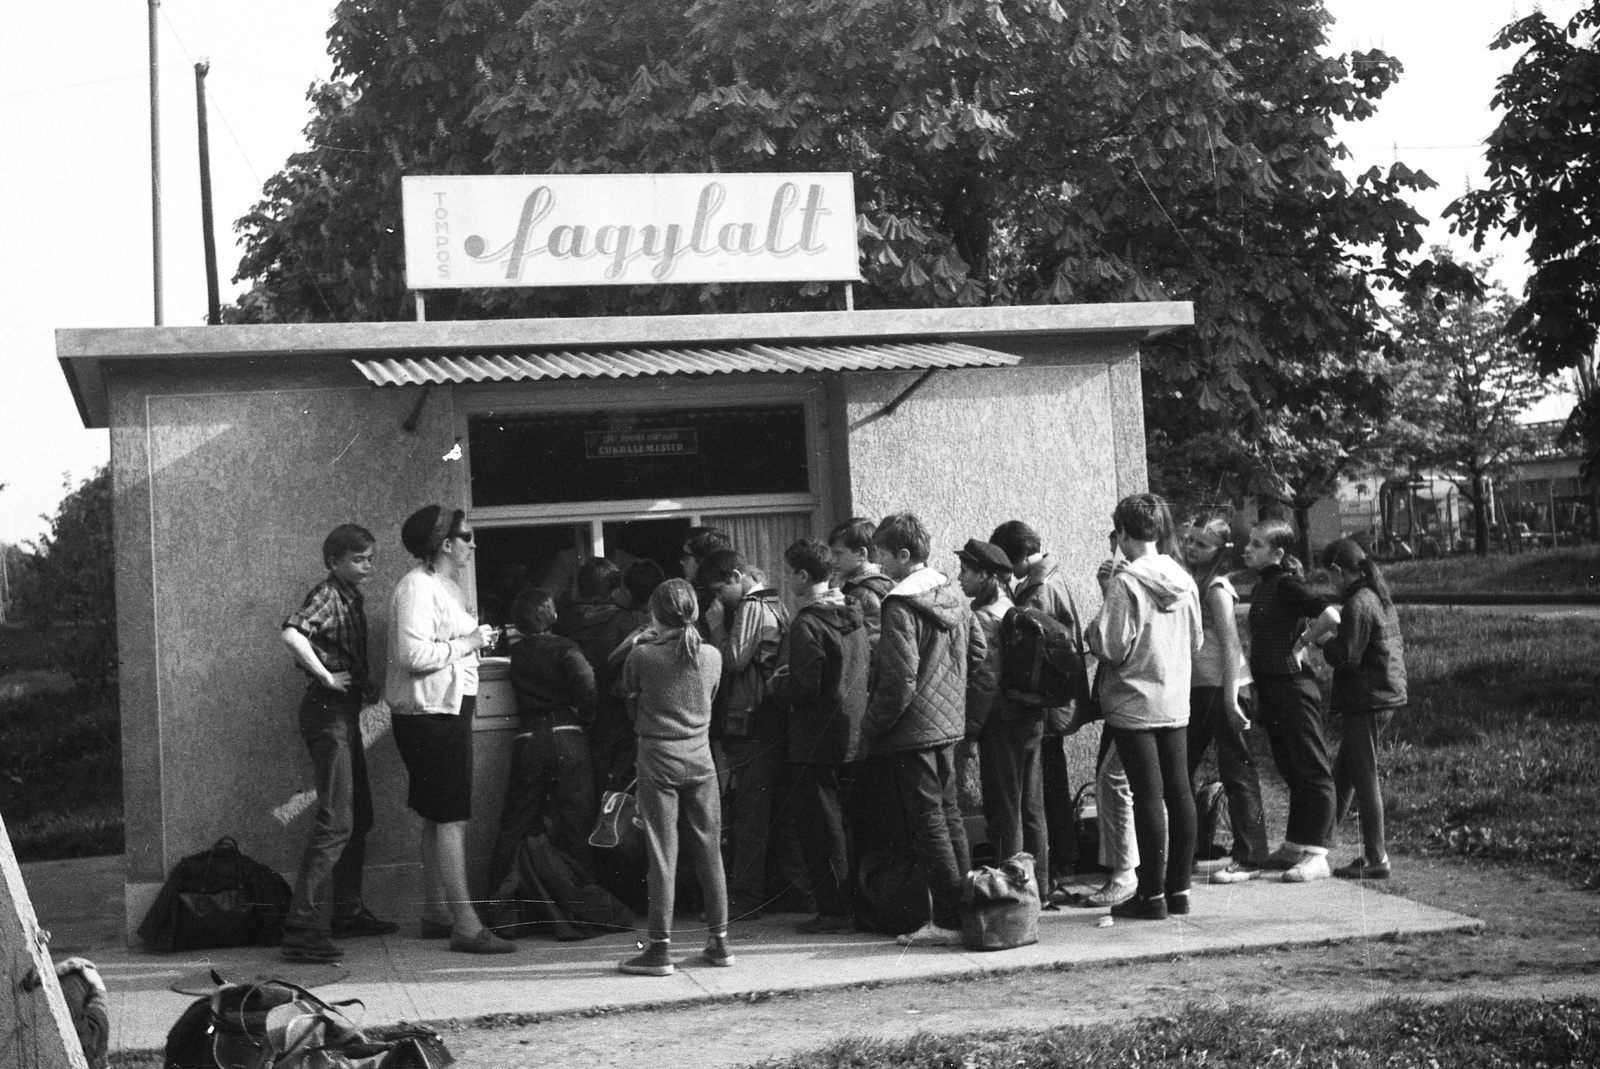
(1540, 937)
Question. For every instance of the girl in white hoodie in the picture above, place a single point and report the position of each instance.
(1146, 635)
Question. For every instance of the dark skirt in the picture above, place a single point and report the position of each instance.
(437, 753)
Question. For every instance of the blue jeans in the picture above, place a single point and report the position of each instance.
(926, 781)
(1241, 783)
(1290, 707)
(329, 881)
(1012, 775)
(1355, 777)
(551, 776)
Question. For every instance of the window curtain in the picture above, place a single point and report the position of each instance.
(762, 539)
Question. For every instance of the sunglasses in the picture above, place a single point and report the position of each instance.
(462, 536)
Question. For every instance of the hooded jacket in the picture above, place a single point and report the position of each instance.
(827, 656)
(928, 643)
(868, 587)
(1146, 636)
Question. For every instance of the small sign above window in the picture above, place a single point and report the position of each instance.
(665, 442)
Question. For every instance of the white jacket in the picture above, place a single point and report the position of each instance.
(1146, 635)
(431, 665)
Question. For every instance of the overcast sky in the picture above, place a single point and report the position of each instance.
(75, 186)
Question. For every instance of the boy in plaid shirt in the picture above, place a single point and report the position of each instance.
(328, 637)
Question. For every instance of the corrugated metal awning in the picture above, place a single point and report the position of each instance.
(629, 363)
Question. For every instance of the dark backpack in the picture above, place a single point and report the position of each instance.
(218, 898)
(1042, 660)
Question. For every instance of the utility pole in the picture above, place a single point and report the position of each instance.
(213, 300)
(155, 162)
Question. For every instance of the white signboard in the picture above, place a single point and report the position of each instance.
(628, 229)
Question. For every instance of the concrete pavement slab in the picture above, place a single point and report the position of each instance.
(404, 978)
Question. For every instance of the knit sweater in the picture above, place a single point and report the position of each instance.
(670, 703)
(432, 665)
(1279, 607)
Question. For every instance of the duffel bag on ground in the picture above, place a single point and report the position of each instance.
(1000, 905)
(218, 898)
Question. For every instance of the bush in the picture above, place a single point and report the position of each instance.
(61, 774)
(67, 590)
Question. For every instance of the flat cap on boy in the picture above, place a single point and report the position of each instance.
(984, 557)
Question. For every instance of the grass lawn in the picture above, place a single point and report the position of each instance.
(1499, 753)
(1569, 570)
(1464, 1034)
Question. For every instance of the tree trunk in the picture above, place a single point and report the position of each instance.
(1480, 519)
(1302, 522)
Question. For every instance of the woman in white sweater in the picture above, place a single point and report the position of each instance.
(431, 685)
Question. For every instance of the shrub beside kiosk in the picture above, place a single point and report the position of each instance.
(235, 449)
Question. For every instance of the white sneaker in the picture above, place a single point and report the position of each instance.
(1313, 866)
(1236, 872)
(929, 935)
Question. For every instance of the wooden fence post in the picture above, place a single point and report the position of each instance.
(36, 1030)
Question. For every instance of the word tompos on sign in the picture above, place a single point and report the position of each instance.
(790, 227)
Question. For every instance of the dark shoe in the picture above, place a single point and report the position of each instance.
(1361, 869)
(435, 929)
(308, 946)
(655, 961)
(717, 952)
(1178, 904)
(485, 942)
(822, 924)
(1142, 909)
(362, 924)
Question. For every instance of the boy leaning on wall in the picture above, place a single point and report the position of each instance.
(328, 637)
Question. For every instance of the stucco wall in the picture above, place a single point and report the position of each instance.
(226, 483)
(223, 499)
(1055, 444)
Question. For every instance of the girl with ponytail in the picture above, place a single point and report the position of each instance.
(1369, 687)
(1220, 697)
(669, 680)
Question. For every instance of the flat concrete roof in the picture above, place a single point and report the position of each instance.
(402, 977)
(87, 354)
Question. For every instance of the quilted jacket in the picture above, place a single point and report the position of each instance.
(929, 642)
(826, 654)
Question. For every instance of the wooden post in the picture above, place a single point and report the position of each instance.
(36, 1030)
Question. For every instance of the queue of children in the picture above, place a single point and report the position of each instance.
(705, 695)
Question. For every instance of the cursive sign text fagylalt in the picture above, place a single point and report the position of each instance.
(663, 244)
